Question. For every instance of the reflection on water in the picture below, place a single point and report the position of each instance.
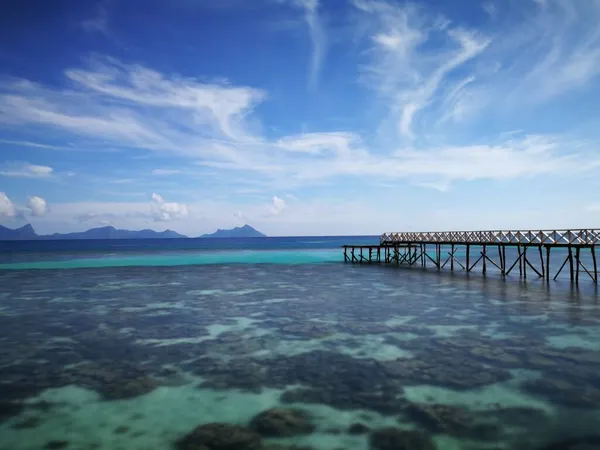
(222, 357)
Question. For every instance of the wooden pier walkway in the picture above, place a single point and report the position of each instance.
(533, 249)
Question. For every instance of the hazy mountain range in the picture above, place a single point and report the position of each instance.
(27, 232)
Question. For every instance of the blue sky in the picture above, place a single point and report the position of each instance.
(300, 117)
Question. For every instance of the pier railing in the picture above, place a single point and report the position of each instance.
(582, 237)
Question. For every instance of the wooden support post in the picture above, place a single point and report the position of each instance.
(504, 260)
(572, 274)
(438, 255)
(520, 262)
(468, 252)
(423, 252)
(361, 255)
(577, 254)
(484, 259)
(525, 263)
(502, 270)
(492, 262)
(542, 261)
(452, 257)
(547, 263)
(561, 267)
(593, 250)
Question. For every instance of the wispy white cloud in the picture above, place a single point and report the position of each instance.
(98, 22)
(317, 34)
(24, 170)
(339, 143)
(535, 57)
(165, 172)
(34, 144)
(401, 69)
(491, 9)
(218, 108)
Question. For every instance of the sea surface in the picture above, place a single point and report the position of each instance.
(278, 344)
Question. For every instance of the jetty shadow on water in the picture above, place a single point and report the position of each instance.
(322, 356)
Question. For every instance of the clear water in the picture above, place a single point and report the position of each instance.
(133, 349)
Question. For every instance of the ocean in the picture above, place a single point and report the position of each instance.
(276, 343)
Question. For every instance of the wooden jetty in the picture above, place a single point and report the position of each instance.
(533, 249)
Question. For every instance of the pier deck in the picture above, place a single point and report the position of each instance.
(411, 248)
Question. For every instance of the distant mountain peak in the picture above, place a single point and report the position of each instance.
(240, 232)
(26, 232)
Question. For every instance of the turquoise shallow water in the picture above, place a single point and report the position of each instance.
(185, 258)
(130, 347)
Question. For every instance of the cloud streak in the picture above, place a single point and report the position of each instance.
(317, 36)
(26, 171)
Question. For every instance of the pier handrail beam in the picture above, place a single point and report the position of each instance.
(582, 237)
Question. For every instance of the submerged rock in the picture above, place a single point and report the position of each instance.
(114, 381)
(445, 371)
(391, 438)
(521, 416)
(220, 436)
(358, 428)
(309, 329)
(284, 447)
(282, 422)
(564, 392)
(30, 422)
(56, 445)
(447, 419)
(386, 402)
(495, 355)
(591, 442)
(9, 409)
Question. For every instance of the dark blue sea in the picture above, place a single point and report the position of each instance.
(276, 343)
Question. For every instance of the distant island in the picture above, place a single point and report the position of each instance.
(237, 232)
(27, 232)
